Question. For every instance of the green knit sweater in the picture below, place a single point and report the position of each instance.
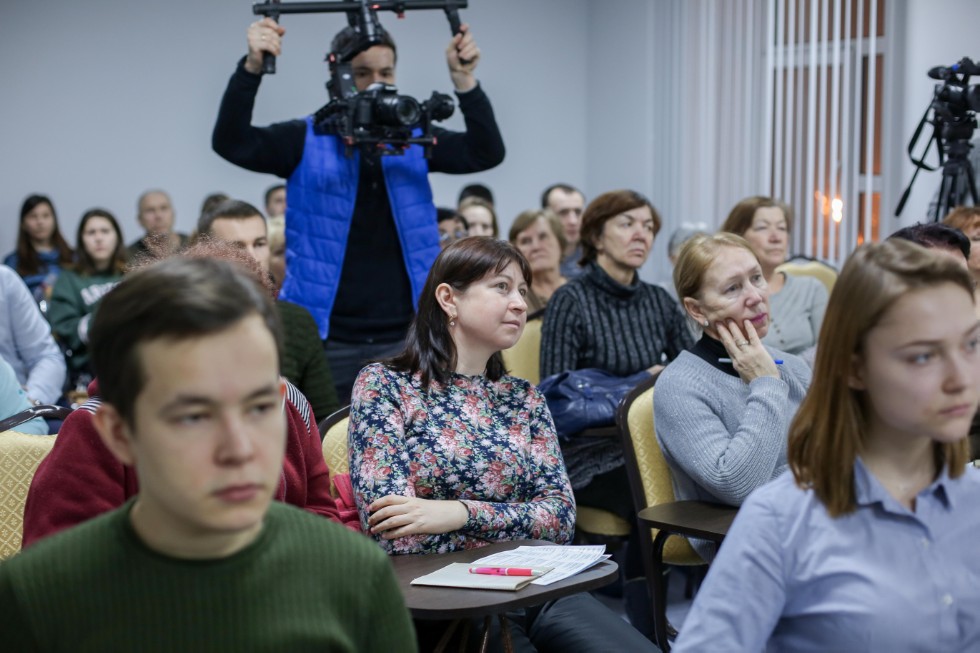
(304, 361)
(305, 584)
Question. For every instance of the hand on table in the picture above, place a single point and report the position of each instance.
(395, 516)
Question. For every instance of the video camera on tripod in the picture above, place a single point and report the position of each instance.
(376, 119)
(954, 105)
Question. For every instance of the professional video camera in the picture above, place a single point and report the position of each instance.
(954, 105)
(376, 119)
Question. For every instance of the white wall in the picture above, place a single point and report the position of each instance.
(106, 98)
(937, 33)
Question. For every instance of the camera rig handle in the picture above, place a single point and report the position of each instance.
(269, 59)
(360, 13)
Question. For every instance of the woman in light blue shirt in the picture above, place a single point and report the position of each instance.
(871, 542)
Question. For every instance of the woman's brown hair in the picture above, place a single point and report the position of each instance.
(604, 208)
(828, 431)
(740, 217)
(28, 261)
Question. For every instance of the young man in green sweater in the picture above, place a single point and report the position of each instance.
(201, 559)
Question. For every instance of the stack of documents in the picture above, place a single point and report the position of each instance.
(548, 564)
(564, 561)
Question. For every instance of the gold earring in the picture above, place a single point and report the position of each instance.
(452, 321)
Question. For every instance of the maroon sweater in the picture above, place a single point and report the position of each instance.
(81, 478)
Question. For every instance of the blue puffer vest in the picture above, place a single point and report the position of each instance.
(321, 194)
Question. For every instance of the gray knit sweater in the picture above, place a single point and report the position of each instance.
(593, 321)
(795, 314)
(723, 437)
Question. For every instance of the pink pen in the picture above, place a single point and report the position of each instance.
(505, 571)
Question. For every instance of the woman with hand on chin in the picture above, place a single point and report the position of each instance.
(447, 452)
(722, 409)
(796, 303)
(870, 544)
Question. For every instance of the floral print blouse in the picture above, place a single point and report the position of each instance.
(489, 444)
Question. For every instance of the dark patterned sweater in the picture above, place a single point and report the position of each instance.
(594, 321)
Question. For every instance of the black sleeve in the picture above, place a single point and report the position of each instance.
(276, 149)
(479, 148)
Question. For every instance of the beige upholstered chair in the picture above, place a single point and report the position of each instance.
(820, 271)
(653, 494)
(333, 429)
(20, 454)
(523, 360)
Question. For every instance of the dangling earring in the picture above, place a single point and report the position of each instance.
(452, 321)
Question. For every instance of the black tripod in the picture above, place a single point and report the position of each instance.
(959, 182)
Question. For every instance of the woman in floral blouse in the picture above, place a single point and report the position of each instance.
(447, 452)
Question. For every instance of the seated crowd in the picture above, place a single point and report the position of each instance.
(194, 459)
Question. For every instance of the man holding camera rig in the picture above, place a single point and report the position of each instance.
(377, 222)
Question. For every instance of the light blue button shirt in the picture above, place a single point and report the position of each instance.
(791, 578)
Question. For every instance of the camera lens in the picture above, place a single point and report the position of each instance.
(397, 110)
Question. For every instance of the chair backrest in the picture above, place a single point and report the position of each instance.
(333, 429)
(524, 359)
(45, 410)
(820, 271)
(646, 467)
(20, 454)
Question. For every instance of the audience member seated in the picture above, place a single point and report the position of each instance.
(79, 289)
(80, 478)
(26, 342)
(722, 409)
(303, 362)
(275, 201)
(951, 241)
(869, 543)
(14, 400)
(481, 219)
(568, 203)
(447, 453)
(538, 235)
(277, 249)
(41, 249)
(796, 303)
(155, 214)
(202, 558)
(452, 226)
(967, 220)
(609, 319)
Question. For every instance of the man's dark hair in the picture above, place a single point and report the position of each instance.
(211, 201)
(235, 209)
(271, 189)
(475, 190)
(429, 347)
(349, 37)
(444, 213)
(935, 235)
(567, 188)
(175, 299)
